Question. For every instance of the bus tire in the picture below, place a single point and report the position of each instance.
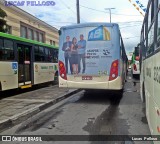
(133, 76)
(143, 94)
(119, 93)
(144, 98)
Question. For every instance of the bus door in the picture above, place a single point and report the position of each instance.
(24, 65)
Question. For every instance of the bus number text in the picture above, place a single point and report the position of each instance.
(157, 74)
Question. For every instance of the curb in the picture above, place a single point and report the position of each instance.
(16, 119)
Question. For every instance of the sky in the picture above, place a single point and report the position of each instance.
(64, 13)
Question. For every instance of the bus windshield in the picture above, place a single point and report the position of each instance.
(136, 51)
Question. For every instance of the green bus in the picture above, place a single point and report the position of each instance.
(25, 62)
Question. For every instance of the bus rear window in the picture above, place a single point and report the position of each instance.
(6, 50)
(136, 51)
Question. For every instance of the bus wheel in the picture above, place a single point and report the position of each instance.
(133, 76)
(144, 98)
(143, 94)
(119, 93)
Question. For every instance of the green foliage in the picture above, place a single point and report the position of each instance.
(3, 23)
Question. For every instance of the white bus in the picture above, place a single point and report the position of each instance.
(150, 65)
(92, 56)
(135, 62)
(24, 62)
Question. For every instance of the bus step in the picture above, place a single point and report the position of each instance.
(26, 86)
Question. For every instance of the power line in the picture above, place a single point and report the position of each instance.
(131, 21)
(70, 21)
(101, 10)
(71, 9)
(130, 26)
(106, 12)
(131, 37)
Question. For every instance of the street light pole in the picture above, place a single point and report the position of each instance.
(109, 12)
(78, 13)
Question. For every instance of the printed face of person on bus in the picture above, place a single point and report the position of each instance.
(74, 41)
(67, 38)
(81, 37)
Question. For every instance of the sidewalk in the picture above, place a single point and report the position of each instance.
(17, 108)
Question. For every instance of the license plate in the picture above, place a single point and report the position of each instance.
(86, 77)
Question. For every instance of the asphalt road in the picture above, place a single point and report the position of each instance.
(90, 113)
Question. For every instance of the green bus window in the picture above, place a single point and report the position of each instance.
(46, 54)
(27, 53)
(55, 56)
(36, 53)
(1, 46)
(7, 52)
(1, 43)
(41, 53)
(136, 51)
(50, 58)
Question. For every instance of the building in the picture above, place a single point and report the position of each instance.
(23, 24)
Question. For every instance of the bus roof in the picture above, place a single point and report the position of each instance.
(96, 24)
(26, 40)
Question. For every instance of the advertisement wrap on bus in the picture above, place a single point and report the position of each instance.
(86, 56)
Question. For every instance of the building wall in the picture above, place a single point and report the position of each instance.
(16, 16)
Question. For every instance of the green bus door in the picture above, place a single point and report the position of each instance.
(24, 65)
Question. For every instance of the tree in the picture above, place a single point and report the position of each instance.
(3, 23)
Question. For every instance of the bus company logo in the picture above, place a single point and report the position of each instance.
(106, 52)
(99, 33)
(29, 3)
(157, 74)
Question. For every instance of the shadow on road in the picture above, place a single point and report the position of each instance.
(101, 97)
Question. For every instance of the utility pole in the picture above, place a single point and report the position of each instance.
(109, 12)
(78, 13)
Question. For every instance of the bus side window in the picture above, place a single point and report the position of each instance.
(41, 54)
(55, 55)
(36, 53)
(151, 40)
(158, 30)
(1, 47)
(50, 56)
(46, 52)
(7, 52)
(122, 49)
(150, 48)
